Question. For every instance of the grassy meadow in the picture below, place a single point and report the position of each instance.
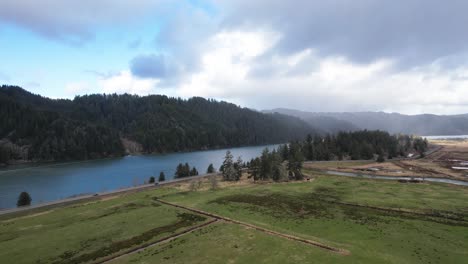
(376, 221)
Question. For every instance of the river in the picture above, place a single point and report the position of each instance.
(50, 182)
(447, 137)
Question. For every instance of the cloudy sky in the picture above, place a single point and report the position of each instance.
(338, 55)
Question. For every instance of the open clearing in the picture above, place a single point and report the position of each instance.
(442, 163)
(94, 231)
(375, 221)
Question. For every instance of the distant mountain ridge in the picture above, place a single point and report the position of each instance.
(423, 125)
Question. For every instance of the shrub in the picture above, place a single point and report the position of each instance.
(24, 199)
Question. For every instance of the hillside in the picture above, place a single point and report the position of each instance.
(33, 127)
(425, 125)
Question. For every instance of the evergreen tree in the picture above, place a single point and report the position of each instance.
(162, 177)
(265, 165)
(295, 161)
(182, 170)
(278, 171)
(152, 179)
(194, 172)
(179, 171)
(24, 199)
(238, 165)
(254, 168)
(186, 171)
(210, 169)
(229, 171)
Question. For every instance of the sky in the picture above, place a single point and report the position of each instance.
(406, 56)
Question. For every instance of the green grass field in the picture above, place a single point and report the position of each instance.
(337, 211)
(84, 232)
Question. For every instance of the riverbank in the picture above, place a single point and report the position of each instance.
(11, 164)
(99, 196)
(52, 182)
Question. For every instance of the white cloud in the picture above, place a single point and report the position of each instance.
(76, 88)
(125, 82)
(333, 84)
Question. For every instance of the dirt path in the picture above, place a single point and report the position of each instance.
(216, 218)
(160, 241)
(264, 230)
(420, 169)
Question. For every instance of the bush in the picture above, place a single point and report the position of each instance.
(380, 158)
(24, 199)
(152, 179)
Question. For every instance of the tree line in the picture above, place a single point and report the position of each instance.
(285, 162)
(358, 145)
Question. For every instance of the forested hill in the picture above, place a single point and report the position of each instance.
(36, 128)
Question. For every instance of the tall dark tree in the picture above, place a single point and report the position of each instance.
(210, 169)
(162, 177)
(254, 168)
(193, 172)
(24, 199)
(230, 169)
(268, 166)
(182, 170)
(295, 161)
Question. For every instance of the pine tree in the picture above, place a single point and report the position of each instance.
(254, 168)
(295, 161)
(186, 171)
(179, 171)
(265, 165)
(194, 172)
(228, 170)
(210, 169)
(238, 167)
(162, 177)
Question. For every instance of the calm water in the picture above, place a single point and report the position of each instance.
(57, 181)
(448, 137)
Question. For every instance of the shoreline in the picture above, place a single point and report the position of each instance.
(44, 164)
(99, 195)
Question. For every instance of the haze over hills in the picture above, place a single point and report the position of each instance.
(33, 127)
(424, 125)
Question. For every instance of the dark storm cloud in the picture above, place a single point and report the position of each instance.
(183, 37)
(413, 32)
